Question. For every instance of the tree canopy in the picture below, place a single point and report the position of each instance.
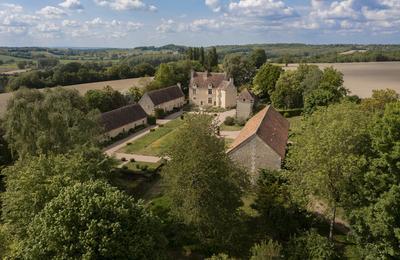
(240, 68)
(258, 57)
(105, 100)
(204, 185)
(33, 182)
(265, 80)
(92, 220)
(54, 121)
(330, 150)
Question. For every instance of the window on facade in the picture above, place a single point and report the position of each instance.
(209, 91)
(244, 100)
(194, 91)
(194, 98)
(209, 100)
(215, 103)
(201, 103)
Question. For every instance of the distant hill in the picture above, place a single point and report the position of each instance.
(169, 47)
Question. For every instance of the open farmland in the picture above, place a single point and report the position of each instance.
(362, 78)
(120, 85)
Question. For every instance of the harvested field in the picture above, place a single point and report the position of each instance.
(362, 78)
(120, 85)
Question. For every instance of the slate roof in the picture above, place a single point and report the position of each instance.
(163, 95)
(270, 126)
(122, 116)
(204, 79)
(246, 95)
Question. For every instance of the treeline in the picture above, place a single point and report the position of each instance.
(208, 59)
(154, 59)
(305, 88)
(369, 56)
(77, 73)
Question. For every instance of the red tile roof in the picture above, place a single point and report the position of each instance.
(270, 126)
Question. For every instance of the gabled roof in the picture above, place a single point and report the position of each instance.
(270, 126)
(122, 116)
(163, 95)
(204, 79)
(246, 95)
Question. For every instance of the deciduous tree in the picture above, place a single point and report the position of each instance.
(204, 185)
(265, 80)
(327, 153)
(52, 121)
(33, 182)
(93, 220)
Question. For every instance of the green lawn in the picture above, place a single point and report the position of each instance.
(224, 127)
(155, 143)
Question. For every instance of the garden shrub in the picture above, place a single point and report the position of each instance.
(229, 121)
(159, 113)
(240, 122)
(151, 120)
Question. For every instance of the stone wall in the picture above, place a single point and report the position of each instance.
(244, 109)
(254, 154)
(127, 127)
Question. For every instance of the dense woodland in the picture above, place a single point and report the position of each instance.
(58, 188)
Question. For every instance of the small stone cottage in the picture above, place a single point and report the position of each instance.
(212, 89)
(123, 119)
(245, 104)
(262, 142)
(166, 99)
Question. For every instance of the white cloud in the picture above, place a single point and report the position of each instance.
(48, 27)
(51, 12)
(215, 5)
(168, 26)
(70, 23)
(121, 5)
(262, 8)
(336, 10)
(71, 5)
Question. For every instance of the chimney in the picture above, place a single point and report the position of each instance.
(192, 73)
(206, 74)
(179, 85)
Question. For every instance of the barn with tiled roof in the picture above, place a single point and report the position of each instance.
(262, 142)
(166, 99)
(123, 119)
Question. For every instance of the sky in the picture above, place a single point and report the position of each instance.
(132, 23)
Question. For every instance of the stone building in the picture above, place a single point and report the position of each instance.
(212, 89)
(166, 99)
(123, 119)
(245, 104)
(262, 142)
